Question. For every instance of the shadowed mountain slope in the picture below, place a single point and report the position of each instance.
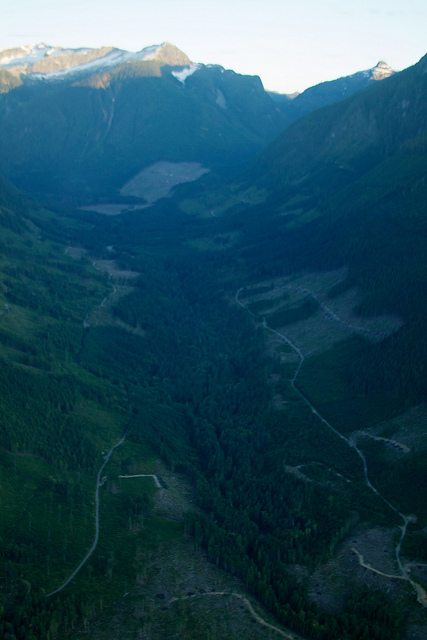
(346, 186)
(350, 137)
(77, 131)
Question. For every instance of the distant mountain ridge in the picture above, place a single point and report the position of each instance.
(320, 95)
(77, 124)
(350, 136)
(44, 62)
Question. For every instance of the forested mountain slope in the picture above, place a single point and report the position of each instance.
(81, 139)
(346, 186)
(76, 125)
(349, 138)
(244, 384)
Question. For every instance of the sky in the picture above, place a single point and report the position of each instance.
(290, 44)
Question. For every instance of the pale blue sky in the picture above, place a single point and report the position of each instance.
(290, 44)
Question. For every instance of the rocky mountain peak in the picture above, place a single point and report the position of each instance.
(381, 71)
(169, 54)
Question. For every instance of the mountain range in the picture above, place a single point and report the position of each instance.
(111, 117)
(212, 404)
(42, 62)
(76, 125)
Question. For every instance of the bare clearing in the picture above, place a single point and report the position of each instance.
(292, 294)
(333, 582)
(409, 429)
(394, 445)
(248, 605)
(333, 321)
(151, 184)
(111, 267)
(177, 592)
(174, 502)
(76, 252)
(120, 280)
(157, 180)
(114, 209)
(182, 595)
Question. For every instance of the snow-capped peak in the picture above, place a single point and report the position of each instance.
(25, 56)
(381, 71)
(44, 62)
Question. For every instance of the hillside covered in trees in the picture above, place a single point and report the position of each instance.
(265, 341)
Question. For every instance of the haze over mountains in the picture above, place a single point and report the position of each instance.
(213, 405)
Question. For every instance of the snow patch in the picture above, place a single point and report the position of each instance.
(21, 56)
(220, 99)
(186, 72)
(148, 53)
(30, 55)
(103, 63)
